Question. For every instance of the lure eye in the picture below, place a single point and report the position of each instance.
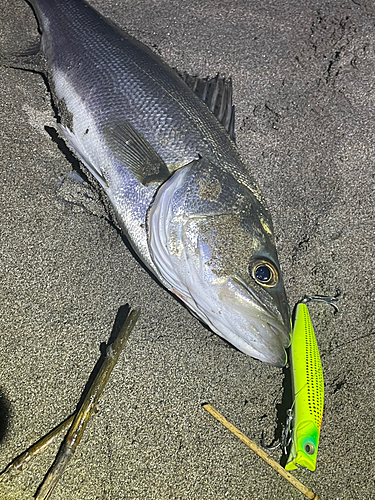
(264, 273)
(309, 448)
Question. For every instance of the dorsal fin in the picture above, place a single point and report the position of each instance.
(216, 93)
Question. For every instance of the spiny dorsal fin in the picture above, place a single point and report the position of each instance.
(216, 93)
(135, 152)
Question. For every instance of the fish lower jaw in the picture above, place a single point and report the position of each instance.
(276, 358)
(282, 334)
(272, 352)
(258, 337)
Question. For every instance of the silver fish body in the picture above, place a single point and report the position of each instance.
(182, 193)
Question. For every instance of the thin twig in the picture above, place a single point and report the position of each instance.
(19, 462)
(261, 453)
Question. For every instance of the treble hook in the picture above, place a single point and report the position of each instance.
(268, 446)
(286, 436)
(330, 300)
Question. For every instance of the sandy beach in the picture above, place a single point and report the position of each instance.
(304, 89)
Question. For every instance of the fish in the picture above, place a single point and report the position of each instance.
(162, 146)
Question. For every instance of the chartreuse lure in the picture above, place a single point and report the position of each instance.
(308, 387)
(302, 429)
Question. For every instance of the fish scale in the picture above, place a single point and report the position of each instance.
(146, 102)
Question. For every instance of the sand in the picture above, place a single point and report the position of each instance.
(303, 76)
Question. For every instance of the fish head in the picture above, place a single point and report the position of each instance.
(210, 237)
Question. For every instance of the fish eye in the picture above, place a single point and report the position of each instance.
(264, 273)
(309, 448)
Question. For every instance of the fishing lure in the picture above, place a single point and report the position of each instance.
(305, 419)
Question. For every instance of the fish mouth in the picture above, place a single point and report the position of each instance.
(267, 347)
(260, 340)
(264, 329)
(277, 319)
(241, 318)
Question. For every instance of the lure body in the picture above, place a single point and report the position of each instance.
(308, 389)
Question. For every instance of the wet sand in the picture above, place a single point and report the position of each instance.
(303, 77)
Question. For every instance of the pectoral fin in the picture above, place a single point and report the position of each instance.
(135, 153)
